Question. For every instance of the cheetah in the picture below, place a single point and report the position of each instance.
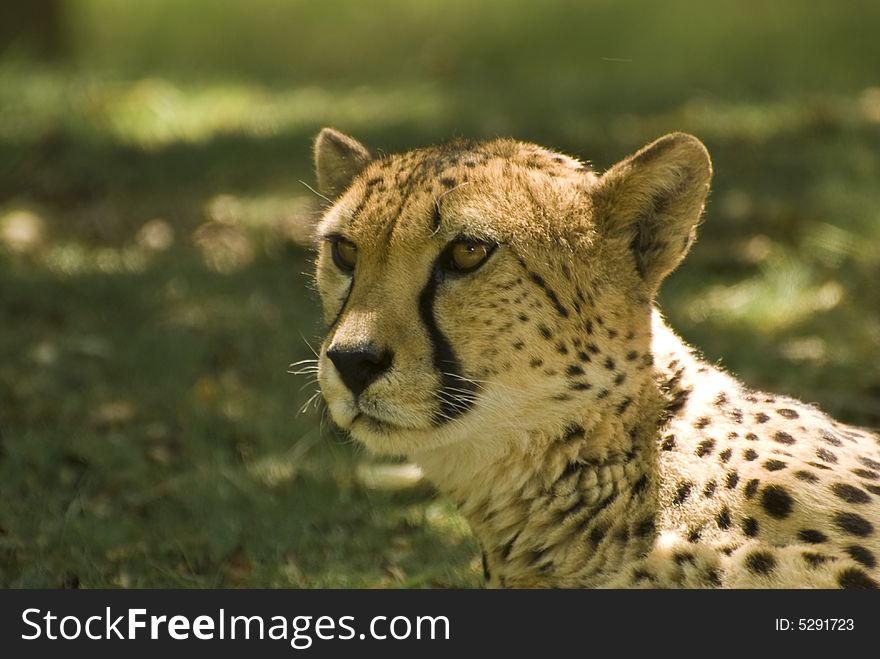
(491, 313)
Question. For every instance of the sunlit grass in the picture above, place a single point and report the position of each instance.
(780, 296)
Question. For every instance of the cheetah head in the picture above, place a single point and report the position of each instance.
(477, 291)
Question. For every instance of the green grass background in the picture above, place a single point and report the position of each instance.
(153, 292)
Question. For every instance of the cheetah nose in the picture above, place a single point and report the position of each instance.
(359, 365)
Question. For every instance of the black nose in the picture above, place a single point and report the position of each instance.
(359, 365)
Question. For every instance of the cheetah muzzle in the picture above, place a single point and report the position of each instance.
(491, 315)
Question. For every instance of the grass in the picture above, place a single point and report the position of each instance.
(152, 284)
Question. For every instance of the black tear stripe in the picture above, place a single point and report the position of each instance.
(549, 292)
(445, 360)
(343, 305)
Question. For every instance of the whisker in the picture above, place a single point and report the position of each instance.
(306, 341)
(304, 371)
(329, 201)
(302, 361)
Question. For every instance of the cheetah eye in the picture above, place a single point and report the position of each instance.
(344, 253)
(465, 255)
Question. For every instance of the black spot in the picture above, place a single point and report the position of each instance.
(668, 443)
(709, 489)
(523, 317)
(624, 404)
(826, 455)
(589, 326)
(486, 574)
(682, 557)
(873, 489)
(861, 555)
(545, 331)
(603, 394)
(642, 575)
(561, 349)
(737, 415)
(787, 413)
(751, 488)
(853, 577)
(702, 422)
(865, 473)
(850, 493)
(777, 501)
(573, 431)
(584, 357)
(640, 485)
(783, 437)
(580, 386)
(750, 527)
(731, 480)
(760, 417)
(760, 562)
(812, 536)
(814, 559)
(774, 465)
(619, 378)
(705, 447)
(536, 362)
(622, 535)
(519, 345)
(447, 182)
(712, 577)
(720, 399)
(593, 348)
(597, 534)
(752, 437)
(750, 454)
(644, 528)
(551, 295)
(725, 454)
(723, 518)
(508, 546)
(694, 536)
(574, 370)
(682, 493)
(830, 438)
(853, 524)
(868, 462)
(631, 356)
(806, 476)
(609, 364)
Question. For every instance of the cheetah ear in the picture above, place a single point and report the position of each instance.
(338, 159)
(651, 202)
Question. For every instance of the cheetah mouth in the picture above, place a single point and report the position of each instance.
(373, 423)
(377, 419)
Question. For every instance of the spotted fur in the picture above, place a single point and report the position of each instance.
(586, 444)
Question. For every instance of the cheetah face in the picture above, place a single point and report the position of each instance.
(461, 286)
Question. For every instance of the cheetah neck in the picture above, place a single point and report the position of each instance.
(551, 495)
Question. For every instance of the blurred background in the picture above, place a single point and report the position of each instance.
(154, 262)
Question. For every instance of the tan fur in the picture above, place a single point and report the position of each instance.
(585, 443)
